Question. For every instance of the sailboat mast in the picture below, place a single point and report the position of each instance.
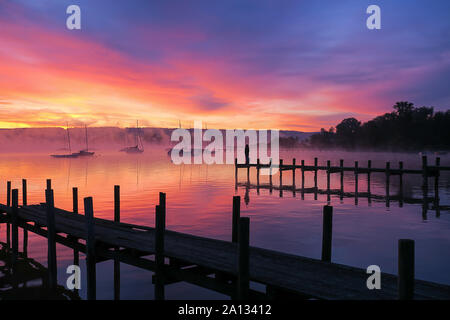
(86, 135)
(68, 138)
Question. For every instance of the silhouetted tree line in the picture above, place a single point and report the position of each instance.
(405, 128)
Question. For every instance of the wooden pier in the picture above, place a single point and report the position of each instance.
(426, 172)
(226, 267)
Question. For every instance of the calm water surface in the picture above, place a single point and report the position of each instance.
(199, 201)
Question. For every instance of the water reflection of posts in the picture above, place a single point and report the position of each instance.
(281, 178)
(369, 166)
(424, 187)
(341, 165)
(328, 180)
(116, 260)
(436, 187)
(400, 167)
(388, 179)
(356, 182)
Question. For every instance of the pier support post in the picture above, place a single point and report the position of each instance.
(49, 184)
(51, 241)
(236, 217)
(25, 203)
(90, 249)
(243, 259)
(235, 172)
(116, 260)
(15, 226)
(303, 176)
(160, 225)
(8, 204)
(327, 233)
(405, 269)
(315, 173)
(75, 200)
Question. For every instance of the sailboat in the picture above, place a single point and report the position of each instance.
(139, 147)
(70, 155)
(85, 152)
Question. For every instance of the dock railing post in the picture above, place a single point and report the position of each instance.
(51, 241)
(15, 226)
(116, 260)
(243, 259)
(405, 269)
(90, 249)
(75, 200)
(235, 218)
(159, 251)
(327, 233)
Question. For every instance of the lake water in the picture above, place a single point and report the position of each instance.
(199, 201)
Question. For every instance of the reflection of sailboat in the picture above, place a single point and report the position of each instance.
(139, 147)
(70, 155)
(85, 152)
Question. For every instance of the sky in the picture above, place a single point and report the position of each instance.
(291, 65)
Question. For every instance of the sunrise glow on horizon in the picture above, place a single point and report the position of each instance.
(230, 64)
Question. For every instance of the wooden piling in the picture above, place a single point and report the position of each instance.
(281, 173)
(90, 249)
(15, 226)
(293, 174)
(159, 251)
(235, 218)
(369, 167)
(327, 233)
(116, 261)
(405, 269)
(51, 239)
(243, 259)
(303, 175)
(24, 192)
(235, 170)
(8, 204)
(25, 203)
(49, 184)
(75, 200)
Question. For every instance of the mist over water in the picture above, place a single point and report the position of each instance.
(199, 201)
